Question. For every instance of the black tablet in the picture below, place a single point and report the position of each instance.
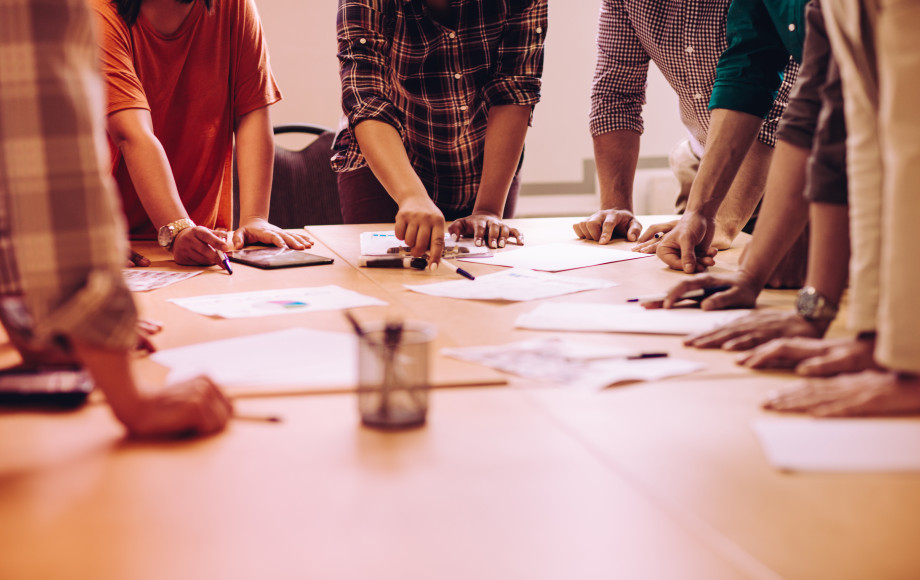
(270, 258)
(62, 388)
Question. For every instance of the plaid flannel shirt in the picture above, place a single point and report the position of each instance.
(685, 40)
(435, 84)
(62, 235)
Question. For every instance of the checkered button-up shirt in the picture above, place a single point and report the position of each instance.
(435, 83)
(684, 39)
(62, 235)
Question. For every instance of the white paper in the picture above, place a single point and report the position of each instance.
(623, 318)
(277, 301)
(847, 445)
(142, 279)
(286, 360)
(515, 285)
(559, 256)
(572, 365)
(381, 244)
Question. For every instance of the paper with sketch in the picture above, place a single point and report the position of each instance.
(278, 301)
(513, 285)
(386, 244)
(623, 318)
(559, 256)
(295, 359)
(572, 365)
(849, 445)
(142, 279)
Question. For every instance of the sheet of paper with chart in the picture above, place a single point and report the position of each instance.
(512, 285)
(572, 365)
(843, 445)
(142, 279)
(386, 244)
(558, 257)
(574, 316)
(276, 302)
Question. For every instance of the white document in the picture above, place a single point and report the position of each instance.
(623, 318)
(292, 360)
(515, 285)
(559, 256)
(278, 301)
(386, 244)
(848, 445)
(142, 279)
(580, 366)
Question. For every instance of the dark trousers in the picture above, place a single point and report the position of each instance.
(365, 201)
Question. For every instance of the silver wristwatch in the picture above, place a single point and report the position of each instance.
(812, 305)
(166, 235)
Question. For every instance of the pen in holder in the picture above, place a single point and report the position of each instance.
(393, 374)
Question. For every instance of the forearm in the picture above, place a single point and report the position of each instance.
(112, 374)
(132, 132)
(255, 154)
(616, 155)
(386, 155)
(783, 214)
(829, 249)
(743, 195)
(730, 137)
(504, 143)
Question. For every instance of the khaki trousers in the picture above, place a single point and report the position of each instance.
(878, 49)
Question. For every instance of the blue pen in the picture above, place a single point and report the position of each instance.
(697, 295)
(450, 265)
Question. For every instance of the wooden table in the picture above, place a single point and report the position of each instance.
(650, 480)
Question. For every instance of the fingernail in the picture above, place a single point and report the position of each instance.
(494, 244)
(603, 240)
(478, 242)
(501, 243)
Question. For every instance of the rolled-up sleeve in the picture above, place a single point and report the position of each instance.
(62, 235)
(621, 74)
(363, 54)
(516, 80)
(750, 69)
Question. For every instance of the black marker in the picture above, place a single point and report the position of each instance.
(697, 295)
(381, 262)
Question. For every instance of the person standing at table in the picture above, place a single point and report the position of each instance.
(185, 78)
(62, 237)
(684, 40)
(762, 35)
(878, 372)
(437, 98)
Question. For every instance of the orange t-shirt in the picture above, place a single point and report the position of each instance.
(196, 83)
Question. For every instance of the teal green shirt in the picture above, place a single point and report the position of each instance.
(762, 35)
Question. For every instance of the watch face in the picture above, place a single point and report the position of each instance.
(807, 303)
(165, 235)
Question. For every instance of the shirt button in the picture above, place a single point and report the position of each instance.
(363, 41)
(458, 76)
(539, 30)
(689, 49)
(698, 96)
(792, 28)
(463, 107)
(452, 35)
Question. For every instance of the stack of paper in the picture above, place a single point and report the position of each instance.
(573, 365)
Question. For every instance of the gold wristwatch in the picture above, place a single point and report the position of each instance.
(812, 305)
(166, 235)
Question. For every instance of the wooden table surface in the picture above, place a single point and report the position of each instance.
(646, 480)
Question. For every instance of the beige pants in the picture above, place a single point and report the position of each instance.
(684, 164)
(878, 49)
